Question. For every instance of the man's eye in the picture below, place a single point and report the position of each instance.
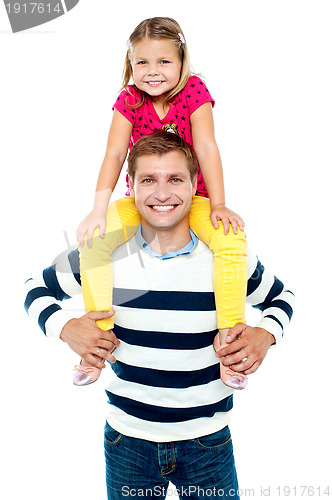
(146, 181)
(176, 180)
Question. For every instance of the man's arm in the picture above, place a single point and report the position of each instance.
(248, 345)
(59, 282)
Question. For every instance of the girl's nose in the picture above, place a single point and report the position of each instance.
(153, 70)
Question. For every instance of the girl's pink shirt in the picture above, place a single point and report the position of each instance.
(145, 119)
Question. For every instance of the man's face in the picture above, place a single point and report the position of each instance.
(163, 190)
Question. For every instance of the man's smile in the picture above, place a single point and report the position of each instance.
(163, 208)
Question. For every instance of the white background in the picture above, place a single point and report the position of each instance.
(268, 65)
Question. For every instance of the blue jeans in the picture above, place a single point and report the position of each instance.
(198, 468)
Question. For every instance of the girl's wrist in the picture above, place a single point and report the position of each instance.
(215, 205)
(99, 211)
(102, 198)
(100, 208)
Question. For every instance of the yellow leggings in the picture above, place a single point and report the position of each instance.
(230, 264)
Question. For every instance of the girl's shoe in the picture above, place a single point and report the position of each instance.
(233, 379)
(84, 375)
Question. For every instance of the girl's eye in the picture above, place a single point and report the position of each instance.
(141, 62)
(164, 61)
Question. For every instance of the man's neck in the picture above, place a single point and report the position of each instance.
(166, 240)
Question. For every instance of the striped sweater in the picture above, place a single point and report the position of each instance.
(165, 384)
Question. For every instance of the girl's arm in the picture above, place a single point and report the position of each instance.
(210, 164)
(116, 152)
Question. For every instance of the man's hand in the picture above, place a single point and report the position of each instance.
(247, 348)
(90, 342)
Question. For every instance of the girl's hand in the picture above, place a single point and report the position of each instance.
(88, 225)
(226, 216)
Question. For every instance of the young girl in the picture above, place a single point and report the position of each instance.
(165, 95)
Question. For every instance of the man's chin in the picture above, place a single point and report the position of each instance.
(161, 223)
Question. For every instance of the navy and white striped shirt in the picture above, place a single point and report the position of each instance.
(165, 384)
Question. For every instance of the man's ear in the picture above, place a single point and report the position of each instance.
(131, 187)
(194, 186)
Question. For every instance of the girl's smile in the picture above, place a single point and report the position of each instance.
(156, 66)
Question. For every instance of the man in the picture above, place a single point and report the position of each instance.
(169, 411)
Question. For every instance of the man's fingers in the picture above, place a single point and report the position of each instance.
(94, 360)
(234, 359)
(109, 344)
(106, 354)
(97, 354)
(253, 368)
(244, 364)
(233, 347)
(111, 358)
(235, 331)
(109, 340)
(103, 353)
(108, 348)
(96, 315)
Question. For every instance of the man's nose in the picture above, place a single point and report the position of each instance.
(162, 191)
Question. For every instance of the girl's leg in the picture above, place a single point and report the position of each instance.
(230, 267)
(233, 379)
(96, 262)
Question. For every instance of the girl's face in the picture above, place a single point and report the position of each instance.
(156, 66)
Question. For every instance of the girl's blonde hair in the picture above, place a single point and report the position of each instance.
(159, 28)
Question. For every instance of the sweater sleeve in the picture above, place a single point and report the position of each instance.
(268, 294)
(61, 281)
(44, 293)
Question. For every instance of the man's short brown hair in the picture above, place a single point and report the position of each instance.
(161, 143)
